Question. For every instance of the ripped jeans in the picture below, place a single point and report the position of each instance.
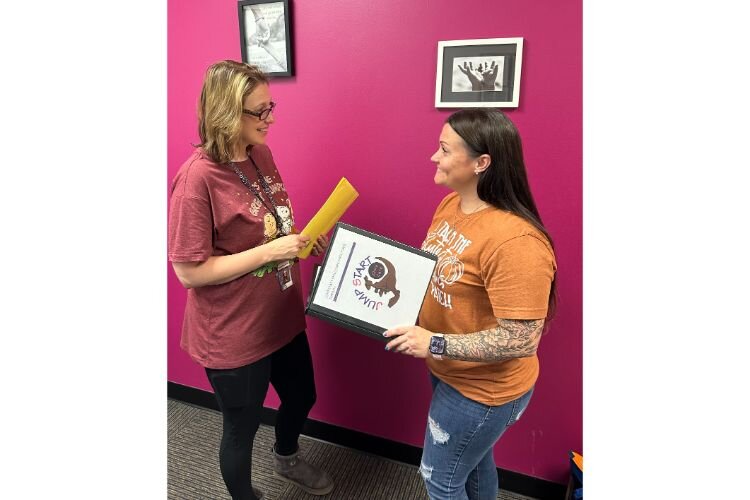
(457, 460)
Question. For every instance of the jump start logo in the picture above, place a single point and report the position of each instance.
(375, 278)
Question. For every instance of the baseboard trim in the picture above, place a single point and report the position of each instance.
(511, 481)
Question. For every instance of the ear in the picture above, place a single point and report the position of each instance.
(483, 163)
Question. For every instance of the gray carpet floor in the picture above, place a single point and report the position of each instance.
(193, 465)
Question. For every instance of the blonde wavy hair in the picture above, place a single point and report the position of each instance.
(225, 87)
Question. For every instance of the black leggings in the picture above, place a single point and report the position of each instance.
(240, 393)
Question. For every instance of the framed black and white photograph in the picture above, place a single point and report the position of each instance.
(266, 36)
(369, 283)
(478, 73)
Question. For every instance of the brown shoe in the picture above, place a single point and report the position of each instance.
(296, 470)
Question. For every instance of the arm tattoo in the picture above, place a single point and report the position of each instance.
(511, 338)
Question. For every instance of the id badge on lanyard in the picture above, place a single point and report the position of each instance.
(284, 274)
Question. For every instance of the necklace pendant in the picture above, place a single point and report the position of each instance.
(456, 220)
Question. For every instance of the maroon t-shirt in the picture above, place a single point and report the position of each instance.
(213, 213)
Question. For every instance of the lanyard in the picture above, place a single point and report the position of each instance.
(266, 188)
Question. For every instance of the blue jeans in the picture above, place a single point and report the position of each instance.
(457, 460)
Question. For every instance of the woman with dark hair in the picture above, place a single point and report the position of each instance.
(492, 292)
(232, 244)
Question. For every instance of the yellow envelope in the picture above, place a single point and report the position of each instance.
(340, 199)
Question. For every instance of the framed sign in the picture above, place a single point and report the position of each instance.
(478, 73)
(369, 283)
(266, 36)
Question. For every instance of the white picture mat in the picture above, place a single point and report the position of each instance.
(348, 260)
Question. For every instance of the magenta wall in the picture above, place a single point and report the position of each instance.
(362, 106)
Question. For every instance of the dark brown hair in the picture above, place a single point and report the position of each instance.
(504, 183)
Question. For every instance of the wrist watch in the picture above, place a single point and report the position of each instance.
(437, 346)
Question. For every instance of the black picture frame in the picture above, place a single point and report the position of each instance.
(415, 287)
(479, 73)
(266, 35)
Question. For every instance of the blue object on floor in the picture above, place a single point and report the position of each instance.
(575, 484)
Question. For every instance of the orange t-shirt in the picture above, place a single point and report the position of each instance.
(491, 264)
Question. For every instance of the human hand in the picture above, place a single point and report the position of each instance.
(263, 32)
(411, 340)
(287, 247)
(489, 75)
(468, 70)
(320, 245)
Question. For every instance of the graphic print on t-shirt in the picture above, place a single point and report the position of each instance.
(448, 244)
(271, 231)
(283, 210)
(269, 226)
(275, 186)
(286, 219)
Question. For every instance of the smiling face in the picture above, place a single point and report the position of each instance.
(254, 130)
(455, 167)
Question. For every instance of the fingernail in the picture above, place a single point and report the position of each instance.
(386, 348)
(385, 333)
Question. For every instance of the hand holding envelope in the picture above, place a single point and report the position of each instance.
(337, 203)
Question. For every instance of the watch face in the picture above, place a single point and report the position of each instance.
(437, 345)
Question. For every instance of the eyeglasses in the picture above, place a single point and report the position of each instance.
(261, 115)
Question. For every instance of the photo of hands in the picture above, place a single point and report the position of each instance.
(473, 74)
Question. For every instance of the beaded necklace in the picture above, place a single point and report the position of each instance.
(266, 188)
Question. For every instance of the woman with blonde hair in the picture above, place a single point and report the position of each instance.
(232, 245)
